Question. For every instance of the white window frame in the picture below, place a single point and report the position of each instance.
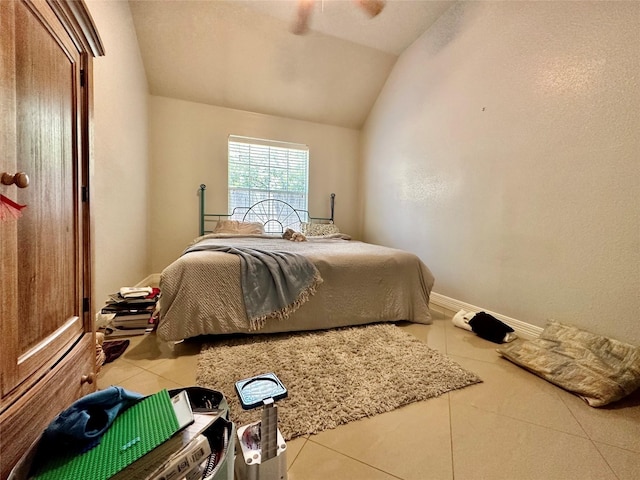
(260, 169)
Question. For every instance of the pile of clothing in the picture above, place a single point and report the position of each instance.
(485, 326)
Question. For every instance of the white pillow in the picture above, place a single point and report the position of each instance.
(236, 226)
(318, 229)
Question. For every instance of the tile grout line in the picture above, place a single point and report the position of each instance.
(298, 454)
(528, 422)
(575, 417)
(595, 445)
(120, 380)
(604, 459)
(354, 459)
(453, 463)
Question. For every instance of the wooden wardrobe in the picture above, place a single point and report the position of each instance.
(47, 356)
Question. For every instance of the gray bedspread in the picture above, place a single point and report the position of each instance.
(274, 283)
(362, 283)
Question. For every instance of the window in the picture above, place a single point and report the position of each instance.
(266, 169)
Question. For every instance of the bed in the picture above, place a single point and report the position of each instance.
(204, 291)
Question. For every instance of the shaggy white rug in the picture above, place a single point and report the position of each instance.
(332, 377)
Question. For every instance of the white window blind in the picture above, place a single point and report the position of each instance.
(264, 169)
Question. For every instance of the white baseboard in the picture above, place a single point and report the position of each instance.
(523, 329)
(152, 280)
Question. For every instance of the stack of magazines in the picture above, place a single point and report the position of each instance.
(133, 310)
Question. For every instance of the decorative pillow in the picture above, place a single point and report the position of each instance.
(601, 370)
(235, 226)
(317, 229)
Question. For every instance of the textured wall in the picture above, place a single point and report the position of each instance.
(121, 165)
(505, 151)
(189, 147)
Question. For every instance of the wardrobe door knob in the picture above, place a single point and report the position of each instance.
(87, 379)
(20, 179)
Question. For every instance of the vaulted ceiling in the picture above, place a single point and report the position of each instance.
(243, 55)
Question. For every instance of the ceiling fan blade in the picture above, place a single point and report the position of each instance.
(305, 8)
(372, 7)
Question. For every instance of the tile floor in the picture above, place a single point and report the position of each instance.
(512, 426)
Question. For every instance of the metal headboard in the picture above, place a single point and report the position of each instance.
(276, 215)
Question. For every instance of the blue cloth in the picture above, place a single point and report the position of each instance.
(82, 424)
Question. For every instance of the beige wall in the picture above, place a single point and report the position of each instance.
(504, 150)
(121, 167)
(188, 146)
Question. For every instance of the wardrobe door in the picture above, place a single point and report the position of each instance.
(42, 251)
(8, 229)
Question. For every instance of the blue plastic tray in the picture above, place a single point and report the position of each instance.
(255, 390)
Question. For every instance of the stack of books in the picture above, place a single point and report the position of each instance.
(134, 311)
